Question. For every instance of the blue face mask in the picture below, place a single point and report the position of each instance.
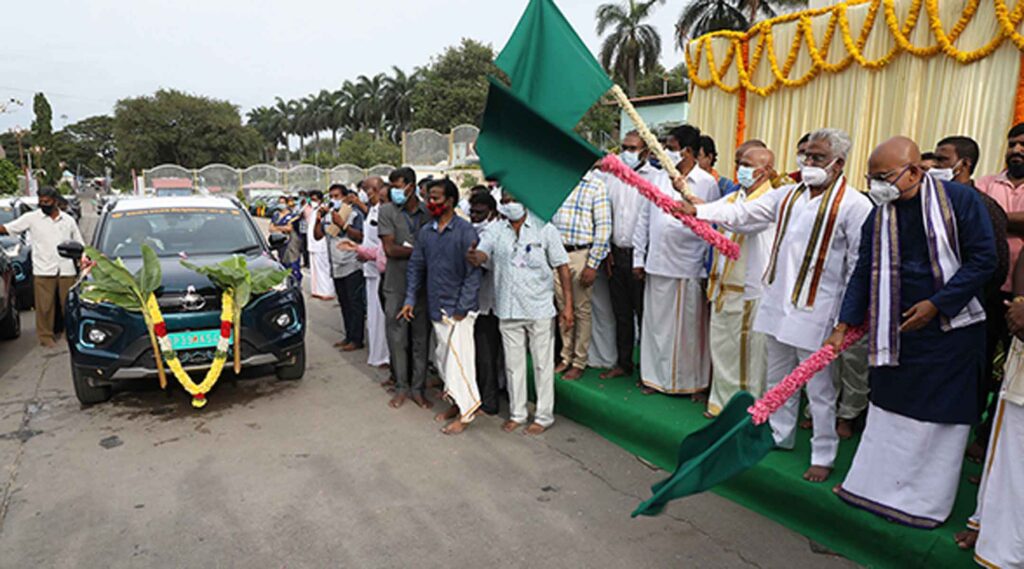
(398, 196)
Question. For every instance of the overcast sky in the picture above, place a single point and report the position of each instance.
(87, 54)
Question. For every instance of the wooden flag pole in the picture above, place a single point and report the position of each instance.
(649, 138)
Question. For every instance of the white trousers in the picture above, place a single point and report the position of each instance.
(821, 394)
(456, 361)
(602, 352)
(541, 337)
(377, 342)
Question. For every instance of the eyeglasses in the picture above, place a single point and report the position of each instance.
(884, 177)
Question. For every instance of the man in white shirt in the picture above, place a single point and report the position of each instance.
(817, 232)
(376, 341)
(674, 355)
(738, 357)
(48, 227)
(626, 292)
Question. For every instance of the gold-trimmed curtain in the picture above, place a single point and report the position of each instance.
(924, 97)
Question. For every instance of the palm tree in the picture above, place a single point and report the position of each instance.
(287, 111)
(271, 125)
(397, 100)
(633, 47)
(700, 17)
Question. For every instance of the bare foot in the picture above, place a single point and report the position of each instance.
(434, 382)
(340, 344)
(976, 452)
(384, 366)
(422, 401)
(699, 397)
(535, 429)
(647, 390)
(351, 347)
(451, 413)
(613, 373)
(708, 415)
(47, 343)
(974, 479)
(561, 367)
(454, 428)
(807, 424)
(844, 428)
(510, 425)
(966, 539)
(397, 401)
(573, 374)
(817, 474)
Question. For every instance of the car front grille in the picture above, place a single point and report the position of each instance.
(175, 304)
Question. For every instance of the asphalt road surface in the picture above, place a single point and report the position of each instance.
(321, 473)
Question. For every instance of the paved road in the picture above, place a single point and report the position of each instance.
(321, 473)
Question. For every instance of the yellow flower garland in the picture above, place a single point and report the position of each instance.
(199, 391)
(762, 36)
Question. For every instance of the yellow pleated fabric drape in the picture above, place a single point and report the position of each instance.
(716, 114)
(926, 98)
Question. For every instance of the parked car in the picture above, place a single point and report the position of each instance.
(19, 252)
(109, 344)
(10, 318)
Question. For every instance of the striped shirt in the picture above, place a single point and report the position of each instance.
(585, 219)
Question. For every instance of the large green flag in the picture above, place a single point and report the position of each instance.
(550, 68)
(535, 160)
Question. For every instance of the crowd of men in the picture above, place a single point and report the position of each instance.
(921, 254)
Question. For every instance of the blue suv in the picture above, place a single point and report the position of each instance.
(109, 344)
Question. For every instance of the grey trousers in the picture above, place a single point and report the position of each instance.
(851, 380)
(408, 343)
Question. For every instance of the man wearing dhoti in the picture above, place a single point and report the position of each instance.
(738, 357)
(453, 287)
(817, 232)
(321, 283)
(926, 253)
(994, 529)
(670, 257)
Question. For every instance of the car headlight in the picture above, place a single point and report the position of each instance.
(97, 335)
(13, 250)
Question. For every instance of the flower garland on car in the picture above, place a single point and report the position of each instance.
(220, 355)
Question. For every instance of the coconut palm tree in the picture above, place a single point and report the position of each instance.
(700, 17)
(271, 125)
(397, 92)
(633, 47)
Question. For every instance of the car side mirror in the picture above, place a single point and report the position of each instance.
(71, 250)
(277, 240)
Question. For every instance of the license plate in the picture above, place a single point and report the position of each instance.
(194, 340)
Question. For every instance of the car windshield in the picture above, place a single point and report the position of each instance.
(170, 231)
(173, 192)
(7, 214)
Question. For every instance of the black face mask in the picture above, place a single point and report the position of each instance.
(48, 209)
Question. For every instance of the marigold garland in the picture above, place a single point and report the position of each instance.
(169, 355)
(762, 37)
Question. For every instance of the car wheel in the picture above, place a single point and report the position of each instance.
(294, 370)
(10, 326)
(88, 394)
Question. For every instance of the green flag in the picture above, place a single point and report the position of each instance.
(550, 68)
(724, 448)
(537, 161)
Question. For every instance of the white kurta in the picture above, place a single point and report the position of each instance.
(674, 356)
(456, 361)
(321, 283)
(910, 478)
(777, 316)
(999, 516)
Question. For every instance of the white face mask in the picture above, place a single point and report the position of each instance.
(674, 156)
(630, 158)
(481, 226)
(512, 211)
(814, 176)
(944, 174)
(746, 176)
(882, 192)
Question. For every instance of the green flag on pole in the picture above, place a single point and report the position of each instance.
(535, 160)
(550, 68)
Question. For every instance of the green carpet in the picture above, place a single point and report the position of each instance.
(652, 426)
